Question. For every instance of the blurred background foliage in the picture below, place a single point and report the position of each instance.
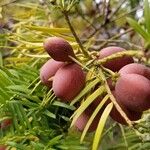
(40, 121)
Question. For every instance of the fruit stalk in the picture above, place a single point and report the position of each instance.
(114, 101)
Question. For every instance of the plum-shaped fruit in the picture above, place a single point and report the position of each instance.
(58, 49)
(132, 115)
(133, 92)
(115, 64)
(115, 115)
(48, 70)
(83, 119)
(135, 68)
(68, 82)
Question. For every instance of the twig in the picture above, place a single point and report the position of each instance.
(116, 36)
(112, 98)
(112, 41)
(109, 129)
(95, 31)
(123, 15)
(117, 9)
(107, 11)
(84, 18)
(75, 35)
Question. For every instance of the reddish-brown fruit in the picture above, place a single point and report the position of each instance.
(58, 49)
(5, 123)
(68, 82)
(3, 147)
(115, 115)
(83, 119)
(132, 115)
(48, 70)
(133, 92)
(96, 102)
(115, 64)
(135, 68)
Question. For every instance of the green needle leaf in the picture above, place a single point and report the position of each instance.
(138, 29)
(86, 103)
(93, 116)
(101, 124)
(147, 15)
(84, 91)
(48, 30)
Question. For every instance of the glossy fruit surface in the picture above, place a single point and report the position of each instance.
(135, 68)
(115, 64)
(68, 81)
(133, 92)
(48, 70)
(59, 49)
(115, 115)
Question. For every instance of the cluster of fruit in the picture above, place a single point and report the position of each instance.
(65, 77)
(132, 89)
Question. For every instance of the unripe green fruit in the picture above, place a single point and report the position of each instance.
(133, 92)
(115, 64)
(135, 68)
(68, 81)
(58, 49)
(48, 70)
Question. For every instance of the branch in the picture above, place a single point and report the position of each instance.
(117, 9)
(84, 18)
(74, 34)
(115, 37)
